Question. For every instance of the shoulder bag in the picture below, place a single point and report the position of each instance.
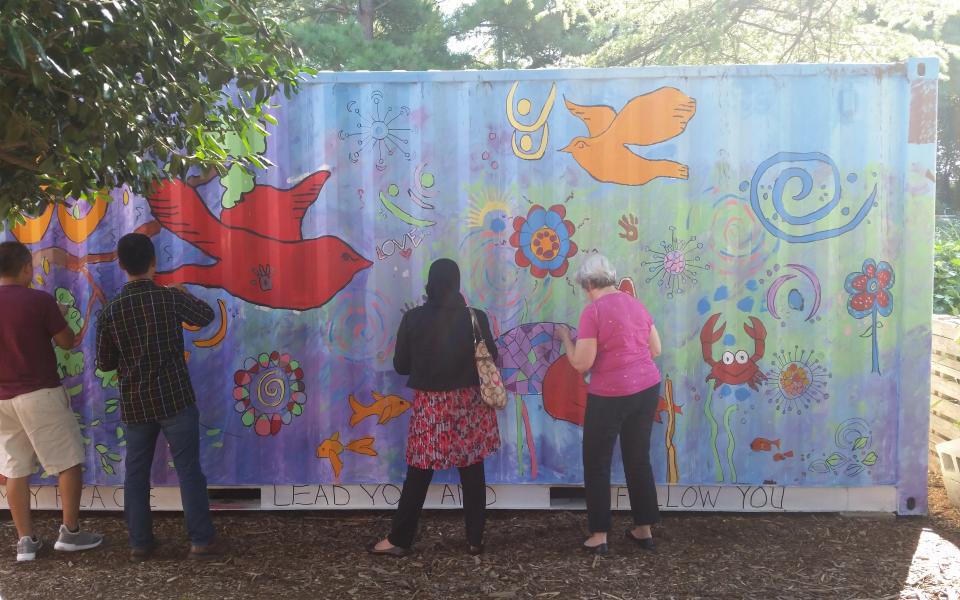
(491, 384)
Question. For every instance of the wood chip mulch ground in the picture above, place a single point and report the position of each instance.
(529, 555)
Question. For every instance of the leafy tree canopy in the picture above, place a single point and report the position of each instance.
(95, 94)
(665, 32)
(526, 33)
(341, 35)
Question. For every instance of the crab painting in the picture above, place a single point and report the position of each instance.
(734, 367)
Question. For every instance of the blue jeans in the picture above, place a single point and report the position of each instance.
(183, 435)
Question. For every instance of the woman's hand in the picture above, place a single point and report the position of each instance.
(580, 354)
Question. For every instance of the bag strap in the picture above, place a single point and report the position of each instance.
(476, 327)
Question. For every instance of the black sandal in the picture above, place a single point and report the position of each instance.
(598, 549)
(645, 543)
(394, 551)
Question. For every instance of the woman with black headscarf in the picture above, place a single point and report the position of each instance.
(450, 425)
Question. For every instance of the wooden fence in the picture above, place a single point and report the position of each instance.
(944, 383)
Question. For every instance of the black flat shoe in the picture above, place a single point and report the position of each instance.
(598, 549)
(394, 551)
(645, 543)
(475, 550)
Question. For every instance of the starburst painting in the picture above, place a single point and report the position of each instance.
(380, 129)
(676, 264)
(796, 382)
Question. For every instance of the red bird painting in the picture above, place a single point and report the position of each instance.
(260, 253)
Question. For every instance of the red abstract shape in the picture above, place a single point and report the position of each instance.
(260, 254)
(626, 286)
(662, 407)
(564, 392)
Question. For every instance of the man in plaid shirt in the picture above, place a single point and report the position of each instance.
(140, 335)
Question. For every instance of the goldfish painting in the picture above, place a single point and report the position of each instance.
(778, 457)
(331, 449)
(385, 408)
(764, 445)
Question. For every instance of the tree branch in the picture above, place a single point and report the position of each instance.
(18, 162)
(763, 28)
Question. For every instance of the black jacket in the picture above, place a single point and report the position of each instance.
(435, 347)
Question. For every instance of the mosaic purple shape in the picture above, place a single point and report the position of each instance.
(521, 376)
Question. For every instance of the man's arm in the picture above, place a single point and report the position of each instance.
(108, 355)
(65, 338)
(55, 324)
(192, 310)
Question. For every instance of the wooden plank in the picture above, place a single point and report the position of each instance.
(947, 361)
(946, 408)
(938, 369)
(944, 428)
(937, 436)
(945, 346)
(946, 328)
(933, 446)
(945, 387)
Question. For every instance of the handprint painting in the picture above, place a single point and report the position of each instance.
(774, 255)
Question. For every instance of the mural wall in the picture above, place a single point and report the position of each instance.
(775, 220)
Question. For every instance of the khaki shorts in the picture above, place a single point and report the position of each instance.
(39, 425)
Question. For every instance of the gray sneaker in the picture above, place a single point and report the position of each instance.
(80, 540)
(27, 548)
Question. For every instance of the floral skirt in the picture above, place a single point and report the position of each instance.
(451, 429)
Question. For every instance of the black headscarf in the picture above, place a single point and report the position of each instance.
(443, 284)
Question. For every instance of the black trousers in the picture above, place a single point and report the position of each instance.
(405, 520)
(630, 418)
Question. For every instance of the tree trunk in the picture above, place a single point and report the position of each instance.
(365, 15)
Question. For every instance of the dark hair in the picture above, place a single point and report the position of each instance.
(443, 281)
(13, 257)
(136, 253)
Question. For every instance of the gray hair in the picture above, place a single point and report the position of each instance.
(596, 272)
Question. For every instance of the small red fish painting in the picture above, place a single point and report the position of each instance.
(778, 457)
(764, 445)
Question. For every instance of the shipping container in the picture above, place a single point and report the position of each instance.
(776, 221)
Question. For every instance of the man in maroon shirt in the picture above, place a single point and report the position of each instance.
(36, 420)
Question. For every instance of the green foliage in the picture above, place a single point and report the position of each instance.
(69, 363)
(946, 270)
(406, 34)
(239, 181)
(638, 32)
(948, 122)
(525, 34)
(99, 93)
(107, 378)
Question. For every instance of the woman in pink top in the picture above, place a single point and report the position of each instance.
(616, 342)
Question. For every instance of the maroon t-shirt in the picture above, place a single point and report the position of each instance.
(28, 320)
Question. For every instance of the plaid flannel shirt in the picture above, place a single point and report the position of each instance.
(140, 334)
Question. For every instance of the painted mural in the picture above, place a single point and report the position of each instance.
(767, 216)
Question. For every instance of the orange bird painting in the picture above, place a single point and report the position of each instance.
(646, 120)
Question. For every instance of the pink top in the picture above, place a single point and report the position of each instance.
(621, 325)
